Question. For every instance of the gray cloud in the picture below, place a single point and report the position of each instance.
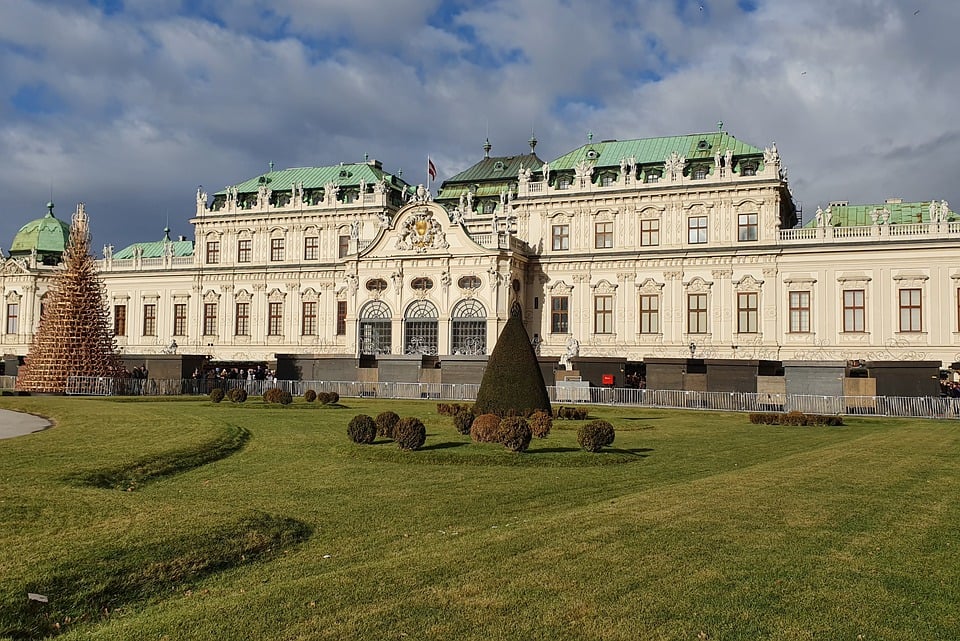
(146, 104)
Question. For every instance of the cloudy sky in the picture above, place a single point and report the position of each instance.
(129, 105)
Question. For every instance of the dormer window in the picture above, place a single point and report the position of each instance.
(563, 182)
(700, 173)
(498, 166)
(487, 206)
(748, 169)
(607, 179)
(652, 177)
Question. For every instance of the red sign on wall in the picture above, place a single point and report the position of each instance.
(607, 379)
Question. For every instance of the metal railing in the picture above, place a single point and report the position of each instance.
(901, 406)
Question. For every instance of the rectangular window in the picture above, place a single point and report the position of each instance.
(308, 323)
(276, 249)
(696, 313)
(910, 310)
(119, 320)
(275, 319)
(799, 312)
(649, 314)
(747, 312)
(603, 235)
(242, 324)
(244, 251)
(341, 317)
(179, 319)
(561, 237)
(747, 227)
(13, 317)
(213, 252)
(209, 319)
(649, 233)
(559, 314)
(311, 248)
(697, 230)
(150, 319)
(344, 246)
(603, 314)
(853, 310)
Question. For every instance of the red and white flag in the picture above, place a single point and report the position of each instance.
(431, 169)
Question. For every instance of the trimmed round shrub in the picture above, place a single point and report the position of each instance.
(323, 398)
(540, 424)
(237, 395)
(514, 433)
(410, 433)
(284, 398)
(484, 428)
(595, 435)
(216, 395)
(463, 421)
(386, 423)
(334, 398)
(571, 413)
(362, 429)
(272, 395)
(309, 396)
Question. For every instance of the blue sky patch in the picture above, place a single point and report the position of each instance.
(38, 99)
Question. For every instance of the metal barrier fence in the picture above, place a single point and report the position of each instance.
(8, 382)
(903, 406)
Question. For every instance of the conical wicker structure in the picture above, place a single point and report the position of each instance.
(75, 337)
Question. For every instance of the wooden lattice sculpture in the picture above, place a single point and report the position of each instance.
(75, 337)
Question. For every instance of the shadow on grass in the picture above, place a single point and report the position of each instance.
(88, 589)
(632, 451)
(443, 446)
(129, 477)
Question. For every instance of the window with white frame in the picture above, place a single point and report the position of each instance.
(696, 230)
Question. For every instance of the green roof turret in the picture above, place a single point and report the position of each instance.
(46, 236)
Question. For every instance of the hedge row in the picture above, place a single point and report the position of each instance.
(794, 418)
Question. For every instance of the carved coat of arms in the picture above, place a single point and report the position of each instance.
(421, 232)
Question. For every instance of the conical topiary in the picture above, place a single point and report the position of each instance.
(512, 382)
(75, 337)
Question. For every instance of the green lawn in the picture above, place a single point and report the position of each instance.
(180, 519)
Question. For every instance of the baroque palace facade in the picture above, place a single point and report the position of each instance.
(683, 246)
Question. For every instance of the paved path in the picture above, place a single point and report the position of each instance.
(17, 424)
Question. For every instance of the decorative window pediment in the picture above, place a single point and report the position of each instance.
(243, 296)
(697, 284)
(211, 296)
(276, 296)
(560, 288)
(650, 286)
(309, 295)
(747, 284)
(910, 280)
(604, 287)
(13, 296)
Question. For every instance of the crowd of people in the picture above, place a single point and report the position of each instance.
(949, 388)
(258, 373)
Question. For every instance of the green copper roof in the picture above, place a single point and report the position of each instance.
(47, 235)
(503, 168)
(157, 249)
(900, 214)
(345, 175)
(608, 153)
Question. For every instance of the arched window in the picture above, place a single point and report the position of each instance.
(374, 336)
(468, 328)
(420, 328)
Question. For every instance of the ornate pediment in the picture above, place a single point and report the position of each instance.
(560, 288)
(421, 232)
(15, 266)
(748, 284)
(650, 286)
